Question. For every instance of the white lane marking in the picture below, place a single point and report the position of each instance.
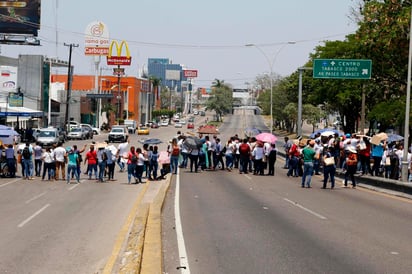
(247, 176)
(73, 187)
(11, 182)
(183, 260)
(306, 209)
(33, 216)
(35, 197)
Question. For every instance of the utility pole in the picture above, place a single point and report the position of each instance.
(69, 85)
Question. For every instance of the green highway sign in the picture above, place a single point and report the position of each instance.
(342, 68)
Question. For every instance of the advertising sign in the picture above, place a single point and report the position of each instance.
(96, 39)
(118, 59)
(15, 99)
(8, 79)
(190, 73)
(20, 17)
(173, 75)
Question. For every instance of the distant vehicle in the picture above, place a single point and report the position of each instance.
(89, 130)
(164, 123)
(73, 124)
(143, 131)
(49, 136)
(190, 125)
(182, 121)
(96, 130)
(191, 119)
(36, 132)
(79, 133)
(202, 113)
(119, 134)
(195, 112)
(178, 125)
(131, 126)
(154, 125)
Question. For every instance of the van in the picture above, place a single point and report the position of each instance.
(49, 136)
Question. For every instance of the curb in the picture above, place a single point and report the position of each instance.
(152, 261)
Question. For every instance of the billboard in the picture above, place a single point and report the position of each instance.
(119, 59)
(8, 79)
(173, 75)
(96, 40)
(20, 17)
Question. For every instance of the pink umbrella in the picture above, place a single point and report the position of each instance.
(266, 137)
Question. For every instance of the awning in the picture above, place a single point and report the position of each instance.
(6, 111)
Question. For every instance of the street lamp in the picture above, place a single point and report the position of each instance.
(271, 63)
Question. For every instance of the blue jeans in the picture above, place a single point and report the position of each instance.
(72, 169)
(131, 171)
(28, 167)
(102, 167)
(154, 166)
(185, 155)
(174, 162)
(307, 173)
(92, 168)
(229, 161)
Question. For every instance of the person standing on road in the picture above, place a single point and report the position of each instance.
(72, 165)
(154, 164)
(174, 152)
(245, 152)
(11, 161)
(60, 158)
(309, 155)
(377, 155)
(122, 151)
(272, 160)
(329, 168)
(27, 161)
(286, 147)
(131, 164)
(294, 155)
(38, 151)
(91, 161)
(351, 166)
(48, 164)
(141, 162)
(219, 152)
(230, 148)
(79, 158)
(101, 161)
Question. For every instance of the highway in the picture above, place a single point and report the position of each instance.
(241, 223)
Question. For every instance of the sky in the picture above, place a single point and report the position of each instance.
(208, 36)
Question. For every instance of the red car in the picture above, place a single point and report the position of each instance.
(190, 125)
(154, 125)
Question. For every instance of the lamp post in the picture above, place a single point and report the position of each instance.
(407, 110)
(271, 63)
(126, 102)
(99, 104)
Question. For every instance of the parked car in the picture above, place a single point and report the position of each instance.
(182, 121)
(96, 130)
(79, 133)
(178, 125)
(143, 131)
(191, 119)
(190, 125)
(88, 129)
(49, 136)
(118, 134)
(154, 125)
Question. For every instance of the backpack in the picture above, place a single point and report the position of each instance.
(175, 151)
(244, 148)
(26, 153)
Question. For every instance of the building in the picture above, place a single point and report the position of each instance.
(171, 74)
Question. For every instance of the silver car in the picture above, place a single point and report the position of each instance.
(79, 133)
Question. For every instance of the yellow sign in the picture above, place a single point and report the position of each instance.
(119, 60)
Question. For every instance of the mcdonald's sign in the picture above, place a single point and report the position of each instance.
(118, 59)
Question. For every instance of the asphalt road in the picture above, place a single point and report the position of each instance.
(233, 223)
(52, 227)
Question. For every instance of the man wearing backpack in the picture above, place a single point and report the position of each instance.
(27, 161)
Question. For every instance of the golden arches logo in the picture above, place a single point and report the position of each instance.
(119, 60)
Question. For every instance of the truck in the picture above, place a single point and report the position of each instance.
(131, 126)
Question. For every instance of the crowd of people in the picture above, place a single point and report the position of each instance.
(349, 154)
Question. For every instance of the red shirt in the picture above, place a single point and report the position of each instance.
(91, 157)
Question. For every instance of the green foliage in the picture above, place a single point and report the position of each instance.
(221, 98)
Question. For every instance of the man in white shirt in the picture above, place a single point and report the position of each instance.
(122, 149)
(60, 157)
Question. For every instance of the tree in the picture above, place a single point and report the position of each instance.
(110, 109)
(221, 99)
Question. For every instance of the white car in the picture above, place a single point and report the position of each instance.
(164, 123)
(178, 125)
(96, 131)
(78, 133)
